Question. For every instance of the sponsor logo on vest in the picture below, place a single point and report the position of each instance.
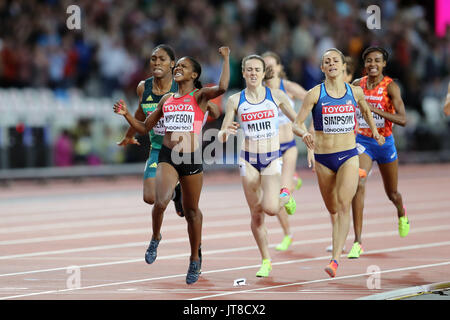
(178, 107)
(338, 109)
(376, 98)
(259, 115)
(151, 106)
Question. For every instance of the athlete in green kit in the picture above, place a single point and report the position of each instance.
(150, 92)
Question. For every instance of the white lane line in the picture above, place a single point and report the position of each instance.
(76, 224)
(141, 214)
(86, 213)
(413, 247)
(24, 209)
(321, 280)
(182, 226)
(12, 288)
(230, 250)
(418, 218)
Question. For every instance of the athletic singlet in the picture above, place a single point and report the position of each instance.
(148, 104)
(282, 118)
(259, 121)
(334, 115)
(183, 114)
(379, 98)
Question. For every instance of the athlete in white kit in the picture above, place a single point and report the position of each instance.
(257, 110)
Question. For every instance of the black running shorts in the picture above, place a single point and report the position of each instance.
(186, 163)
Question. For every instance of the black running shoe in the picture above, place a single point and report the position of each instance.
(177, 201)
(150, 254)
(193, 272)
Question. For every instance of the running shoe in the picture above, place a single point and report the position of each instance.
(403, 225)
(291, 205)
(356, 251)
(362, 173)
(284, 245)
(331, 268)
(193, 272)
(150, 254)
(298, 181)
(177, 201)
(265, 269)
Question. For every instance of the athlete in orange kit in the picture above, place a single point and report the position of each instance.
(384, 98)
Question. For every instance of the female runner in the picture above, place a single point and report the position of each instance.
(180, 158)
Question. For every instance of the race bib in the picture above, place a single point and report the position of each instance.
(379, 120)
(148, 108)
(179, 117)
(260, 124)
(159, 128)
(338, 119)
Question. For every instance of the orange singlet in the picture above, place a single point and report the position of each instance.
(379, 98)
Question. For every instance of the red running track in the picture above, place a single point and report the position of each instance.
(86, 240)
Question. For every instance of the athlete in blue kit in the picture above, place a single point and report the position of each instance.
(333, 105)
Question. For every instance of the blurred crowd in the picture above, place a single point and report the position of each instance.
(109, 54)
(111, 49)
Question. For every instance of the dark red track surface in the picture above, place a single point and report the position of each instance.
(97, 231)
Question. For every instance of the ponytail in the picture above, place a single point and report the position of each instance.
(198, 83)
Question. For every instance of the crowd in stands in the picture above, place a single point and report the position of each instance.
(111, 49)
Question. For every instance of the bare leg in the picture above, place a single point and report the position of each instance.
(346, 184)
(166, 179)
(191, 187)
(337, 191)
(149, 190)
(251, 183)
(389, 173)
(287, 181)
(365, 162)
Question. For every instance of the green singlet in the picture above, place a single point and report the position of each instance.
(148, 104)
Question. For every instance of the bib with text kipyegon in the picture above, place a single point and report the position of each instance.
(179, 117)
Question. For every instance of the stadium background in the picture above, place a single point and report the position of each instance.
(57, 85)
